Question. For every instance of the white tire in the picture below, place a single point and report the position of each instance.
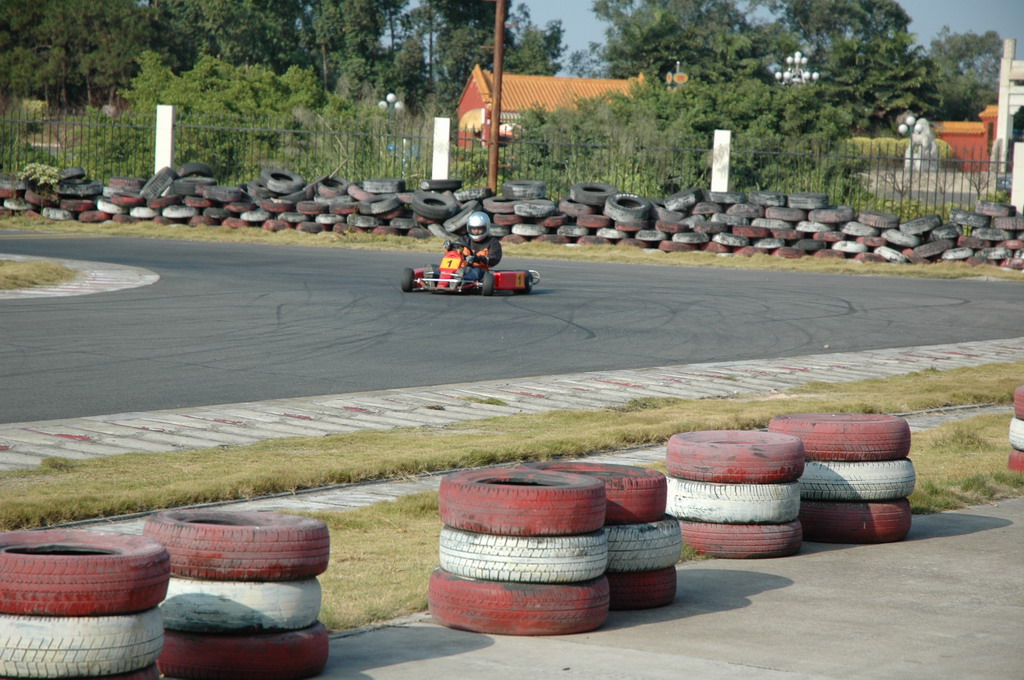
(876, 480)
(1017, 434)
(644, 547)
(196, 606)
(733, 503)
(79, 646)
(524, 559)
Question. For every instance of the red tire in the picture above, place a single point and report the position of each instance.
(846, 522)
(1016, 462)
(642, 589)
(498, 608)
(80, 573)
(291, 655)
(847, 436)
(522, 502)
(1018, 402)
(241, 546)
(635, 495)
(735, 457)
(743, 541)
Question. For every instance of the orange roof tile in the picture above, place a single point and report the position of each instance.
(519, 93)
(961, 128)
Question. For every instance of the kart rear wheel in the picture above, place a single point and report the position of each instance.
(407, 277)
(487, 284)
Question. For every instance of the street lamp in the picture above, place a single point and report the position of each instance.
(391, 103)
(795, 73)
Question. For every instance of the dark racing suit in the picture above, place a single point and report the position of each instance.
(486, 254)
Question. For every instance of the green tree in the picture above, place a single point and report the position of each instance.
(71, 58)
(712, 39)
(530, 49)
(239, 32)
(967, 72)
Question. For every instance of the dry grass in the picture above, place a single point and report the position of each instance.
(65, 490)
(29, 274)
(942, 270)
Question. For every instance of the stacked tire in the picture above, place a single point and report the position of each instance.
(522, 552)
(644, 544)
(857, 476)
(1016, 462)
(81, 604)
(243, 600)
(735, 492)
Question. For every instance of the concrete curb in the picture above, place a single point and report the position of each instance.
(24, 445)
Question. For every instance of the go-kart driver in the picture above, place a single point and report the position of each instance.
(480, 250)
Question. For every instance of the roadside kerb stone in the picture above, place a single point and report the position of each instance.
(246, 423)
(93, 277)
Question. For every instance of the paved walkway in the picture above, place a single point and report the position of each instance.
(24, 445)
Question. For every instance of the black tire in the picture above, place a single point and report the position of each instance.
(767, 198)
(441, 185)
(224, 194)
(189, 186)
(434, 205)
(80, 187)
(378, 205)
(473, 194)
(195, 170)
(592, 193)
(332, 187)
(524, 188)
(808, 201)
(386, 185)
(72, 173)
(684, 200)
(281, 181)
(487, 284)
(627, 207)
(407, 277)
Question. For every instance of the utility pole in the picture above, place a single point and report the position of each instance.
(499, 63)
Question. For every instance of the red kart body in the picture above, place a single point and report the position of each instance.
(448, 278)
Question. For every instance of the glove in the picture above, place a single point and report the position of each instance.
(470, 259)
(447, 245)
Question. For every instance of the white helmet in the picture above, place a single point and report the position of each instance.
(477, 225)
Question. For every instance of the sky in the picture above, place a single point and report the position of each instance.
(1005, 17)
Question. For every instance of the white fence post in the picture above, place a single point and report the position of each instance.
(1017, 189)
(164, 147)
(720, 160)
(442, 148)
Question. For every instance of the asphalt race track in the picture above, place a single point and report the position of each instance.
(231, 323)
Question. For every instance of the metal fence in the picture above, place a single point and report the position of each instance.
(859, 173)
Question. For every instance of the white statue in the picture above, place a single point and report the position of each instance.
(923, 151)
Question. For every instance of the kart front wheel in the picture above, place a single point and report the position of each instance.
(407, 277)
(487, 284)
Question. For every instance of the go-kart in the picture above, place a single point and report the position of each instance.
(448, 277)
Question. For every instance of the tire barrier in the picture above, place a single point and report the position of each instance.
(786, 225)
(856, 478)
(644, 544)
(522, 551)
(81, 604)
(735, 492)
(1016, 460)
(243, 600)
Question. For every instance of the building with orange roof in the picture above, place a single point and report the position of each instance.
(971, 140)
(520, 93)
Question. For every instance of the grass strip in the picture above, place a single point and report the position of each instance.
(30, 274)
(62, 490)
(365, 241)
